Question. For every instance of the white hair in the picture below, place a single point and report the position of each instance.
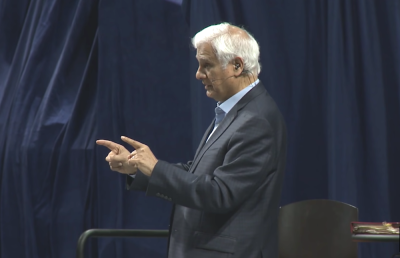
(228, 45)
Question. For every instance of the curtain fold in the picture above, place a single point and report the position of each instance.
(43, 179)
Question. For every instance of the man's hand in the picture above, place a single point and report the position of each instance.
(142, 158)
(118, 157)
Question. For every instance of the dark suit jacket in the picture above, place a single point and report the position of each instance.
(227, 198)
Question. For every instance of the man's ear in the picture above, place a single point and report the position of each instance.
(238, 66)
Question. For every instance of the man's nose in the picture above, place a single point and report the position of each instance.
(200, 75)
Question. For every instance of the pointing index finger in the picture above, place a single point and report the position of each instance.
(133, 143)
(109, 144)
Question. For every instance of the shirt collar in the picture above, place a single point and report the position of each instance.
(228, 104)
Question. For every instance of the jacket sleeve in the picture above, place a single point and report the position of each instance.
(140, 181)
(250, 158)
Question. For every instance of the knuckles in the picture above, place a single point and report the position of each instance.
(124, 156)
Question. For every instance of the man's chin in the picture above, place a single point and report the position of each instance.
(211, 95)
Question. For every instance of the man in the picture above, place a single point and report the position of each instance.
(227, 198)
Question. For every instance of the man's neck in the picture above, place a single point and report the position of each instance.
(239, 88)
(246, 81)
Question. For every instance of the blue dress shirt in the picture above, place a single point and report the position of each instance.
(223, 108)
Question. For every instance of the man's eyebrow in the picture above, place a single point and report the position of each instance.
(201, 58)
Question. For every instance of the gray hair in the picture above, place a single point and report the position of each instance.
(228, 45)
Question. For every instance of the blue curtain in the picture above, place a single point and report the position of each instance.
(73, 71)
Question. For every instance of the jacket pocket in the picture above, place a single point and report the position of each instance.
(225, 244)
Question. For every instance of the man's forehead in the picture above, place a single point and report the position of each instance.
(205, 51)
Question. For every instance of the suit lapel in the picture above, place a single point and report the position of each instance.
(203, 140)
(225, 123)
